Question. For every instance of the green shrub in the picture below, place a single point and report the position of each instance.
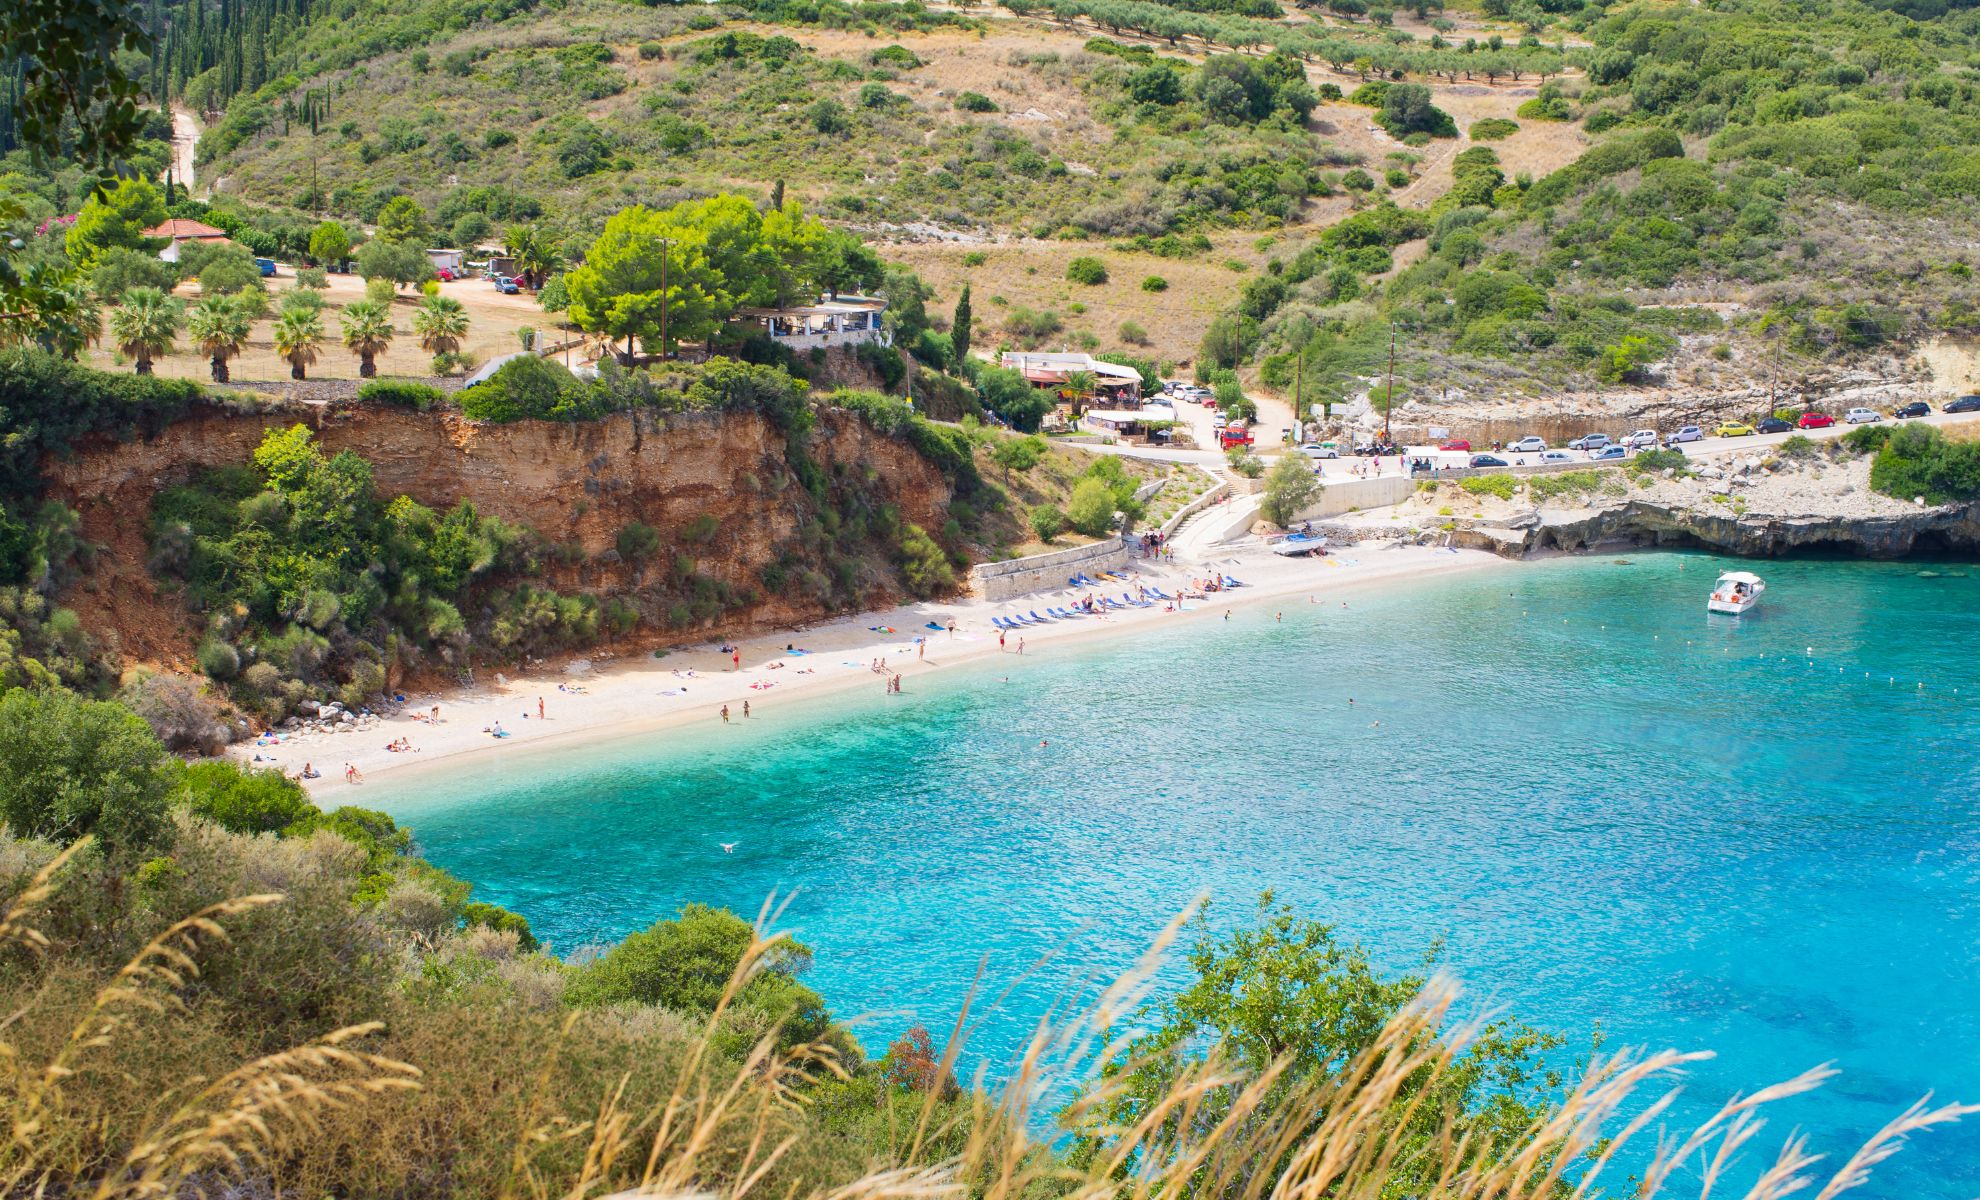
(242, 800)
(400, 394)
(923, 564)
(1087, 270)
(1502, 486)
(1565, 483)
(1664, 460)
(493, 916)
(1493, 129)
(975, 102)
(1797, 446)
(1154, 283)
(1917, 460)
(1091, 508)
(684, 965)
(896, 56)
(1866, 439)
(1047, 522)
(525, 387)
(70, 766)
(638, 541)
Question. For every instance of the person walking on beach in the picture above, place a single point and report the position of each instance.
(1000, 641)
(725, 714)
(952, 627)
(735, 656)
(539, 708)
(921, 650)
(1020, 645)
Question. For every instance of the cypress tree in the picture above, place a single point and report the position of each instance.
(959, 330)
(777, 196)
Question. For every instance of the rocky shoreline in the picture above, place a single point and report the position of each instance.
(1754, 508)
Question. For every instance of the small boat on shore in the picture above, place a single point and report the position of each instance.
(1294, 544)
(1735, 593)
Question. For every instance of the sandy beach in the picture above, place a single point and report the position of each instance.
(594, 697)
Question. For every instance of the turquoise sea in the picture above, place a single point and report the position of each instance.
(1756, 835)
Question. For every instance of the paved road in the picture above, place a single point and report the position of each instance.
(1711, 447)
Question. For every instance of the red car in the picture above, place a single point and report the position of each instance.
(1455, 444)
(1815, 421)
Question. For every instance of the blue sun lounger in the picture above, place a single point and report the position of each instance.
(1229, 582)
(1035, 617)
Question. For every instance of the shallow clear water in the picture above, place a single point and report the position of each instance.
(1756, 835)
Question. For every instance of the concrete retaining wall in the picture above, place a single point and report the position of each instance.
(1044, 572)
(1343, 495)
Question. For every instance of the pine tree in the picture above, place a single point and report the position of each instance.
(777, 196)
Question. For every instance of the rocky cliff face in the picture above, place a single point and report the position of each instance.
(1947, 529)
(577, 485)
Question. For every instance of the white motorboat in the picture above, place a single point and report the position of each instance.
(1735, 593)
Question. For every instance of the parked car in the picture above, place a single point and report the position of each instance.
(506, 284)
(1963, 404)
(1528, 445)
(447, 274)
(1862, 416)
(1642, 439)
(1917, 408)
(1733, 429)
(1455, 444)
(1608, 452)
(265, 265)
(1219, 421)
(1316, 450)
(1589, 441)
(1558, 456)
(1815, 420)
(1689, 433)
(1774, 425)
(1488, 460)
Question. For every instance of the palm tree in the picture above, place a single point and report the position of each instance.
(144, 325)
(535, 254)
(1079, 388)
(367, 334)
(298, 331)
(441, 322)
(220, 324)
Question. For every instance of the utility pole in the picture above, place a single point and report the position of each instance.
(1389, 393)
(1299, 389)
(666, 301)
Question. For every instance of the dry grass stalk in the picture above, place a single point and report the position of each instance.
(237, 1119)
(246, 1114)
(14, 929)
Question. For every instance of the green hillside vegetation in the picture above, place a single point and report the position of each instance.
(1740, 147)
